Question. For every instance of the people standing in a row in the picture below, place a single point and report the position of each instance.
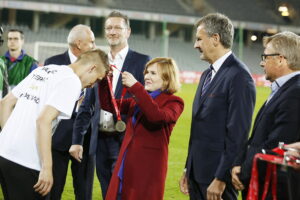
(221, 115)
(80, 40)
(30, 112)
(279, 118)
(18, 63)
(107, 141)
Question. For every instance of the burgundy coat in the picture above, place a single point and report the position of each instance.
(146, 143)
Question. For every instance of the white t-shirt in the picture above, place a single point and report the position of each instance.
(57, 86)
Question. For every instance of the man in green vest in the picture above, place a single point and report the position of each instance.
(18, 63)
(3, 72)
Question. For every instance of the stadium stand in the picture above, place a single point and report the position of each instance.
(157, 6)
(183, 52)
(258, 13)
(245, 10)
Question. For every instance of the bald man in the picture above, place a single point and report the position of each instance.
(80, 39)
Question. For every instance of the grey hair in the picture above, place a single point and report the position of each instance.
(79, 31)
(217, 23)
(288, 45)
(120, 15)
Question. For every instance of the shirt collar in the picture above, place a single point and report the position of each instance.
(283, 79)
(218, 63)
(21, 56)
(120, 55)
(72, 57)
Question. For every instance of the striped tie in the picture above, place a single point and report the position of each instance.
(207, 80)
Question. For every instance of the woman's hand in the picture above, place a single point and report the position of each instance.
(128, 79)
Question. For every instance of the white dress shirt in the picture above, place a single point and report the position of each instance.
(218, 63)
(72, 57)
(106, 118)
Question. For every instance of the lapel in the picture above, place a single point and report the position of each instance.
(221, 74)
(258, 117)
(199, 91)
(281, 91)
(97, 102)
(127, 63)
(275, 98)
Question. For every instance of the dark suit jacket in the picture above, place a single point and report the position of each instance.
(277, 121)
(89, 111)
(62, 138)
(221, 121)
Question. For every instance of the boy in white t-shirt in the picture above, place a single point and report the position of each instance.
(28, 115)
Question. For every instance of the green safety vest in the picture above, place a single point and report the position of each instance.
(18, 69)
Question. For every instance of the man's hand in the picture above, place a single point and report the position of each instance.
(215, 190)
(45, 181)
(235, 178)
(76, 151)
(183, 184)
(295, 146)
(294, 151)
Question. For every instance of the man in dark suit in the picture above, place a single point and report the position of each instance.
(221, 116)
(108, 141)
(80, 39)
(279, 118)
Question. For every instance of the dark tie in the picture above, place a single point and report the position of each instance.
(207, 80)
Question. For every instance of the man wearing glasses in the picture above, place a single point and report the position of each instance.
(107, 141)
(19, 64)
(279, 118)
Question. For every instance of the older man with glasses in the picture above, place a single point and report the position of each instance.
(279, 118)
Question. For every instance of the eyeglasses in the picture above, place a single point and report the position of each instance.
(117, 28)
(264, 56)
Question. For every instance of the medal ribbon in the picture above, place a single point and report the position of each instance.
(113, 99)
(253, 193)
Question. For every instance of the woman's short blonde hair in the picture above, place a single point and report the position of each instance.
(169, 73)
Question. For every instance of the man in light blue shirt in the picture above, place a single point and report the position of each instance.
(279, 118)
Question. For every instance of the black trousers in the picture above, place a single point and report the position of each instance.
(17, 181)
(198, 191)
(108, 148)
(83, 173)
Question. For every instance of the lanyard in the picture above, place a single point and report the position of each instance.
(113, 99)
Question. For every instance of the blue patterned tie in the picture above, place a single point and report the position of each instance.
(207, 80)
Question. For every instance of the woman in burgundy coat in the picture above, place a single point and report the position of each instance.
(151, 116)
